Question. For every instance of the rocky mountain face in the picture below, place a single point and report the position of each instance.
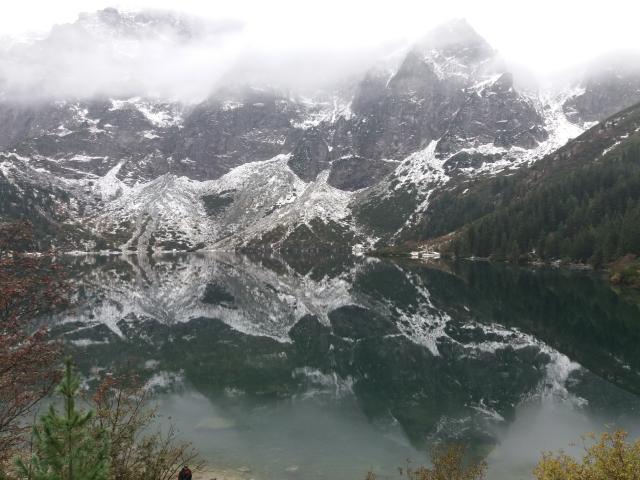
(451, 86)
(580, 203)
(611, 86)
(255, 168)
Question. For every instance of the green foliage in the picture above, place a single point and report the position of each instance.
(66, 447)
(137, 451)
(580, 203)
(610, 457)
(589, 214)
(625, 272)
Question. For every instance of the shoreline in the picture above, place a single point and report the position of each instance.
(209, 472)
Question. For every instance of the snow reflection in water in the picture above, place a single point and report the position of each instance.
(323, 370)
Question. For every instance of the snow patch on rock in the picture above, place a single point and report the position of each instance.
(159, 115)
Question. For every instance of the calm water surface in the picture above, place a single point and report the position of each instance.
(325, 368)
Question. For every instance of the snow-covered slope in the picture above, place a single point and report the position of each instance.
(253, 167)
(178, 213)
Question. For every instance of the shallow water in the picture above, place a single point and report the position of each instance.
(326, 368)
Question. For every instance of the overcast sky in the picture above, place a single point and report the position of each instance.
(297, 43)
(544, 34)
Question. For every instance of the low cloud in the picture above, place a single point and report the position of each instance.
(283, 44)
(108, 53)
(166, 55)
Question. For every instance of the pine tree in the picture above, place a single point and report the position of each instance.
(65, 445)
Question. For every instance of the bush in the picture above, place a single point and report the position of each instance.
(138, 451)
(448, 464)
(609, 457)
(116, 439)
(66, 447)
(30, 285)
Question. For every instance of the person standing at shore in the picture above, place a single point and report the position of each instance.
(185, 473)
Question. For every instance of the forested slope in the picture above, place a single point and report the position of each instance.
(581, 203)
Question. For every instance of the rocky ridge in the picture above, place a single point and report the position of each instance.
(251, 167)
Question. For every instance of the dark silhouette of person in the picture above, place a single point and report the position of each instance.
(185, 473)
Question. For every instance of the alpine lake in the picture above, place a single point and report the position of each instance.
(325, 368)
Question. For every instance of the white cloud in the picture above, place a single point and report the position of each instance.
(305, 41)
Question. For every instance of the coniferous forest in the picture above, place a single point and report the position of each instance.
(591, 215)
(581, 204)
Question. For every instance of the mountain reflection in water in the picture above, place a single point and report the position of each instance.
(324, 368)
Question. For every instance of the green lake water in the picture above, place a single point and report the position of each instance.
(325, 368)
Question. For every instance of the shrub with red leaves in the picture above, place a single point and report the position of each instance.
(30, 285)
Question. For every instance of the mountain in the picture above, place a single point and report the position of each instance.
(254, 167)
(580, 203)
(120, 54)
(606, 87)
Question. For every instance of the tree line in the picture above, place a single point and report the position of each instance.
(589, 215)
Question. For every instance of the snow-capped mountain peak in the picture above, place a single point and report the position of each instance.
(258, 167)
